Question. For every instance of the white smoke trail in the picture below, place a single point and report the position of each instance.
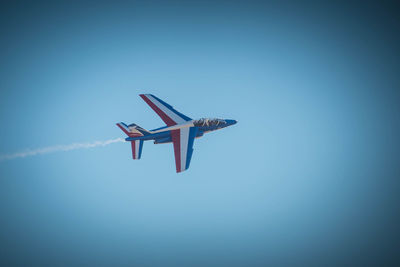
(51, 149)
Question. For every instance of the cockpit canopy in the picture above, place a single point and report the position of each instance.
(208, 122)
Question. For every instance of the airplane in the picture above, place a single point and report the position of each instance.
(179, 130)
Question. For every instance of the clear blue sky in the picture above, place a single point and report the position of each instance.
(308, 176)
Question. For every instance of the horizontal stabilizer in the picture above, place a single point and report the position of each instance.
(137, 147)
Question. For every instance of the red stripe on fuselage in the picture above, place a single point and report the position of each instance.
(160, 113)
(176, 139)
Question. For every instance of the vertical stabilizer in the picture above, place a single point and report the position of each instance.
(132, 130)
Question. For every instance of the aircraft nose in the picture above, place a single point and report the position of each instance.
(231, 122)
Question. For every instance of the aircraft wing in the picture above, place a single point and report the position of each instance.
(183, 146)
(166, 112)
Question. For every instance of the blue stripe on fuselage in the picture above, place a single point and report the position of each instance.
(150, 136)
(208, 128)
(160, 128)
(167, 134)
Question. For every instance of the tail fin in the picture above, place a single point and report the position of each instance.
(132, 130)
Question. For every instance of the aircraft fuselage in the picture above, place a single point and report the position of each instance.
(163, 135)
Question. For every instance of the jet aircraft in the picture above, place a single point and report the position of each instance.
(179, 130)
